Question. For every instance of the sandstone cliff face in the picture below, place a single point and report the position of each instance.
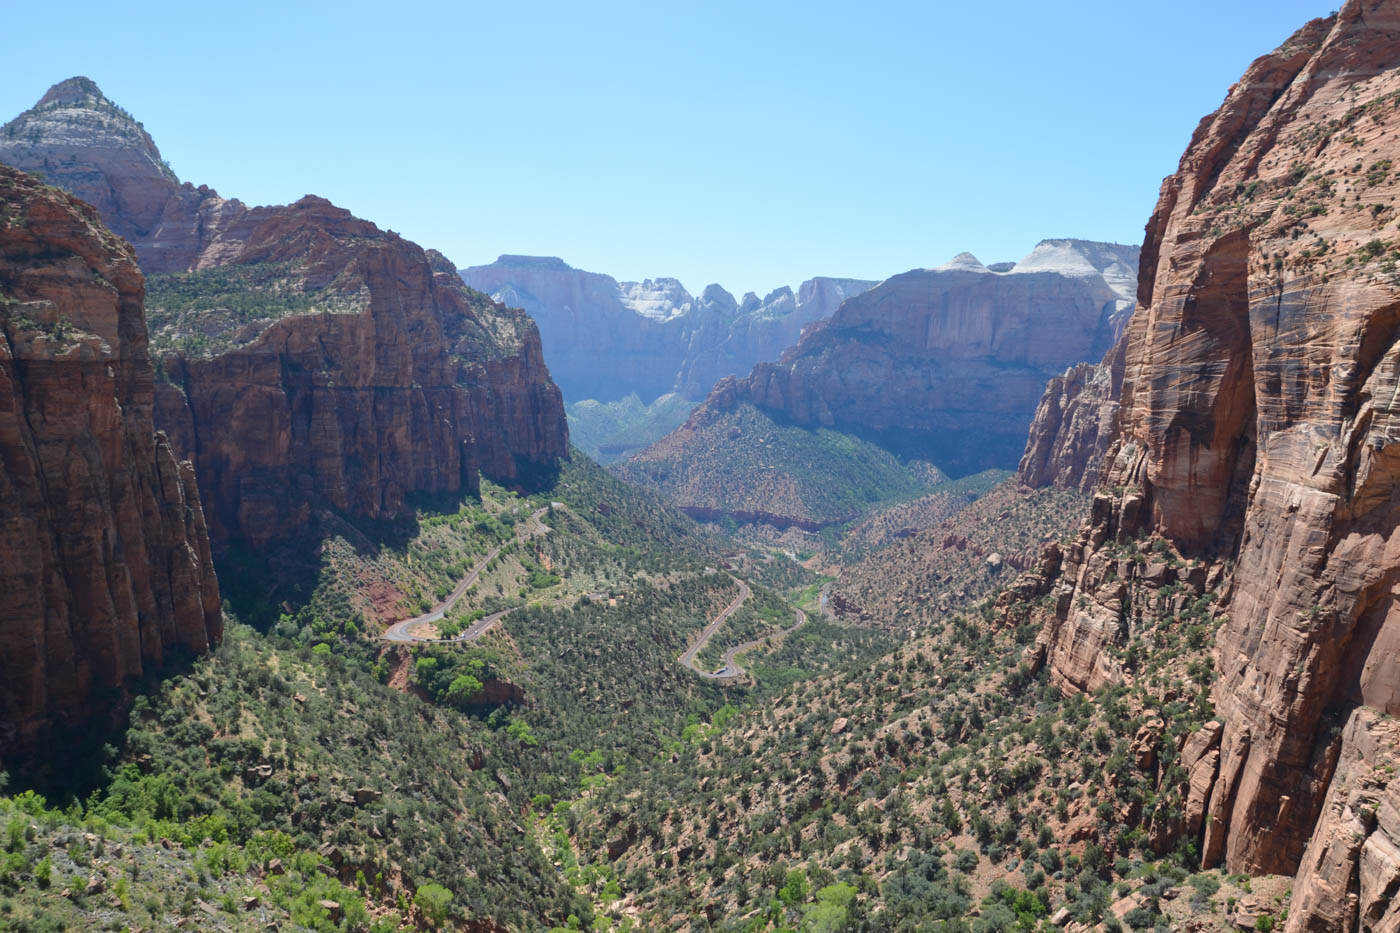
(1257, 429)
(315, 360)
(421, 391)
(655, 336)
(948, 364)
(104, 559)
(1074, 425)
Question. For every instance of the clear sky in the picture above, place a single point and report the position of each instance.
(754, 143)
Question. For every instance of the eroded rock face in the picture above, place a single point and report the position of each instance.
(426, 388)
(104, 558)
(1350, 872)
(948, 364)
(1258, 426)
(656, 337)
(1074, 425)
(388, 378)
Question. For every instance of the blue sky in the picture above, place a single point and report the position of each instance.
(753, 144)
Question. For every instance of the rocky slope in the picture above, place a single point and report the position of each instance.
(741, 464)
(314, 361)
(1257, 437)
(656, 336)
(105, 563)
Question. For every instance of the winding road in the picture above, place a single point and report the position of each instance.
(730, 668)
(402, 632)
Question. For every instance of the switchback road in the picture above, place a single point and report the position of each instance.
(402, 632)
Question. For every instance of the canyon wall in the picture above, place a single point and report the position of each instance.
(105, 563)
(948, 364)
(1074, 424)
(308, 358)
(1257, 434)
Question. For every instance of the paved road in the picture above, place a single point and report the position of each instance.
(688, 658)
(402, 632)
(729, 668)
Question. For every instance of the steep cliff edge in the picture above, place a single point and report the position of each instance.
(104, 559)
(394, 379)
(309, 359)
(1258, 430)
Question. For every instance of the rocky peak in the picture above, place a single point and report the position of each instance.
(76, 90)
(963, 262)
(717, 297)
(369, 375)
(779, 296)
(657, 299)
(657, 336)
(1113, 263)
(77, 139)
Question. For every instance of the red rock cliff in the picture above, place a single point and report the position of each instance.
(104, 559)
(1074, 425)
(317, 361)
(421, 387)
(1259, 421)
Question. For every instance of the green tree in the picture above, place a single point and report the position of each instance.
(433, 899)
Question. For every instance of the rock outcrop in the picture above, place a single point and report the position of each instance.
(1258, 432)
(309, 358)
(1074, 425)
(656, 336)
(77, 139)
(105, 563)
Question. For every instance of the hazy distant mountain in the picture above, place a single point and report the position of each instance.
(943, 366)
(606, 339)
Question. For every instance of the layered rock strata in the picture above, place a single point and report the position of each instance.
(1257, 433)
(314, 360)
(947, 364)
(424, 389)
(105, 563)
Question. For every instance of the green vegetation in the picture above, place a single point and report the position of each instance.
(745, 462)
(208, 311)
(611, 431)
(565, 772)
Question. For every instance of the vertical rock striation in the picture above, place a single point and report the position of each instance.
(104, 558)
(1258, 430)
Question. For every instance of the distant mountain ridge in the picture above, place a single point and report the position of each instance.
(943, 366)
(606, 339)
